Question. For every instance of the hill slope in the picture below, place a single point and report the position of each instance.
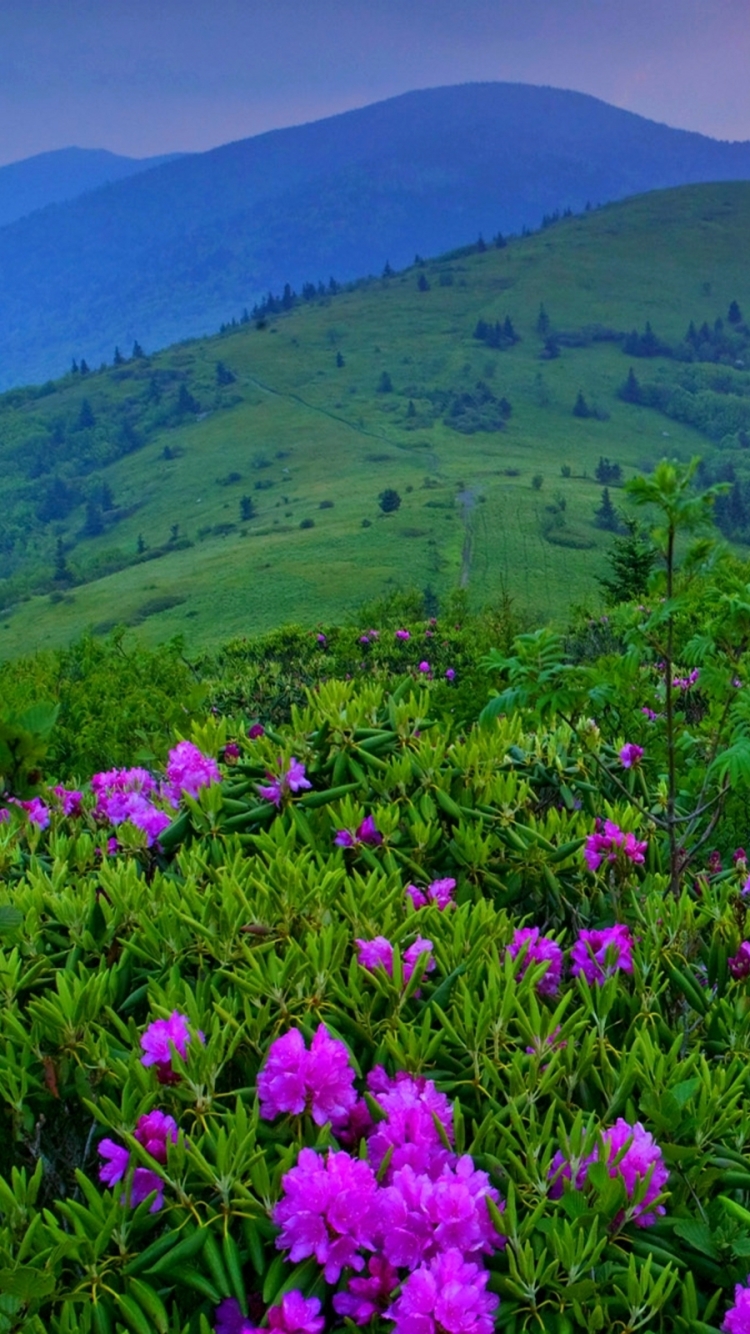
(172, 252)
(52, 178)
(230, 484)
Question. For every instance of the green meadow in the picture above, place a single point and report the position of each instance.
(311, 441)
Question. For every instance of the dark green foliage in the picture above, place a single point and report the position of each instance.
(340, 360)
(186, 402)
(537, 481)
(542, 322)
(137, 354)
(608, 473)
(630, 391)
(94, 523)
(631, 559)
(477, 410)
(307, 523)
(606, 515)
(735, 314)
(581, 407)
(223, 375)
(498, 335)
(247, 508)
(645, 345)
(389, 500)
(385, 384)
(422, 283)
(86, 417)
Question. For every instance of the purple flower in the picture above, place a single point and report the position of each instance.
(230, 1320)
(364, 639)
(538, 949)
(321, 638)
(447, 1295)
(231, 752)
(364, 1298)
(425, 668)
(631, 755)
(153, 1131)
(412, 954)
(326, 1210)
(320, 1080)
(36, 810)
(419, 1215)
(116, 1159)
(600, 954)
(737, 1318)
(739, 964)
(70, 800)
(652, 717)
(189, 770)
(159, 1039)
(439, 892)
(289, 780)
(641, 1157)
(376, 953)
(368, 832)
(685, 682)
(255, 731)
(608, 841)
(296, 1314)
(411, 1104)
(144, 1182)
(450, 674)
(403, 634)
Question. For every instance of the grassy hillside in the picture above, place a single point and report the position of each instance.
(171, 252)
(158, 454)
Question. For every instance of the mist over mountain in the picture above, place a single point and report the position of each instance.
(53, 178)
(173, 251)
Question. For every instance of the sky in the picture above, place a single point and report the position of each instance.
(156, 76)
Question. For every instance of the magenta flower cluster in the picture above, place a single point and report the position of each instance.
(410, 1219)
(597, 955)
(131, 794)
(366, 834)
(378, 953)
(154, 1131)
(739, 964)
(294, 1314)
(439, 892)
(536, 949)
(631, 755)
(161, 1039)
(611, 844)
(289, 780)
(319, 1081)
(737, 1318)
(631, 1154)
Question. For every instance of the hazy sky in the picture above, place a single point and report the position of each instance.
(150, 76)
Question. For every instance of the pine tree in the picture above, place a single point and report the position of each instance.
(631, 558)
(581, 407)
(542, 322)
(734, 315)
(389, 500)
(606, 515)
(118, 359)
(247, 509)
(630, 391)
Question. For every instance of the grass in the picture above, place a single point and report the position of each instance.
(321, 433)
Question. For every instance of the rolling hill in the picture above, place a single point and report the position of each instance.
(230, 484)
(172, 252)
(53, 178)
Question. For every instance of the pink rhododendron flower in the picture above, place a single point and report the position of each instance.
(70, 800)
(737, 1318)
(231, 752)
(230, 1320)
(144, 1182)
(36, 810)
(739, 964)
(403, 634)
(116, 1159)
(641, 1159)
(411, 1104)
(295, 1080)
(538, 949)
(448, 1296)
(606, 844)
(600, 954)
(425, 668)
(450, 674)
(153, 1131)
(420, 1216)
(296, 1314)
(327, 1211)
(439, 892)
(631, 755)
(157, 1043)
(289, 780)
(367, 833)
(188, 770)
(375, 953)
(364, 1298)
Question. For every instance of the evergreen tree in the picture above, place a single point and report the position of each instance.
(411, 411)
(508, 330)
(119, 359)
(141, 544)
(185, 401)
(734, 314)
(581, 407)
(542, 322)
(86, 417)
(385, 384)
(93, 524)
(340, 360)
(138, 353)
(422, 283)
(74, 367)
(630, 391)
(606, 515)
(481, 244)
(607, 473)
(62, 573)
(84, 367)
(389, 500)
(387, 271)
(247, 509)
(631, 559)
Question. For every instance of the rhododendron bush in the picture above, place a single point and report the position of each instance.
(378, 1020)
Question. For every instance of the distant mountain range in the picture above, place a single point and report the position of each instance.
(171, 252)
(53, 178)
